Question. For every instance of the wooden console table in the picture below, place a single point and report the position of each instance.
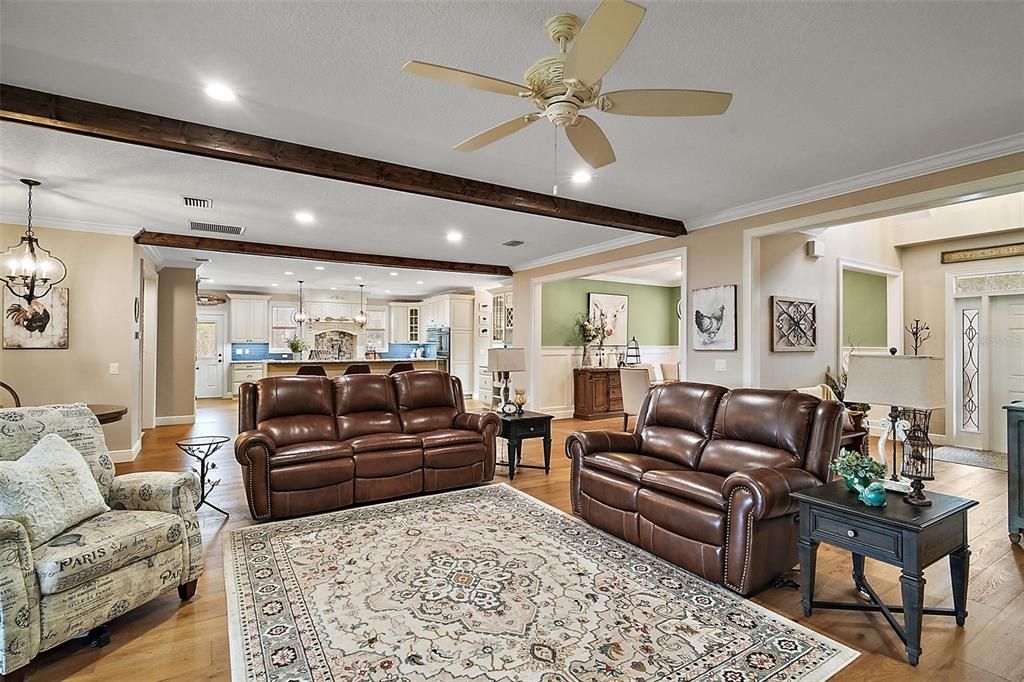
(597, 393)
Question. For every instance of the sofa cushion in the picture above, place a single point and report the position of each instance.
(696, 486)
(724, 457)
(677, 420)
(625, 464)
(380, 442)
(682, 517)
(312, 475)
(315, 451)
(446, 437)
(391, 463)
(103, 544)
(453, 456)
(426, 400)
(365, 404)
(609, 489)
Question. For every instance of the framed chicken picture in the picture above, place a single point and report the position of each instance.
(713, 326)
(39, 324)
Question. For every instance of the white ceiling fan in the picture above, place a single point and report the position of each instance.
(563, 84)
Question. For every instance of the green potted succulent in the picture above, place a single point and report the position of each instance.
(861, 473)
(297, 346)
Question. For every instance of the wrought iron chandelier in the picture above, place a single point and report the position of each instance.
(360, 318)
(30, 271)
(300, 316)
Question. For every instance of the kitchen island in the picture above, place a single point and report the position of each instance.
(277, 368)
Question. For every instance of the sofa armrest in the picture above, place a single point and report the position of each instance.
(487, 423)
(253, 450)
(582, 443)
(478, 421)
(20, 628)
(587, 442)
(171, 492)
(769, 489)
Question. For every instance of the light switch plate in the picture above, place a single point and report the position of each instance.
(720, 365)
(115, 368)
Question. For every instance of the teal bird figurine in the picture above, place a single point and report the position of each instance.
(873, 495)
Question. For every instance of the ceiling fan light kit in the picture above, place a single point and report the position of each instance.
(563, 84)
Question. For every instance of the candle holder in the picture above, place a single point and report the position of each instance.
(918, 460)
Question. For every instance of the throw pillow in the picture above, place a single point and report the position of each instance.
(49, 490)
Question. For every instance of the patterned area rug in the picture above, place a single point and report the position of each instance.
(987, 459)
(489, 584)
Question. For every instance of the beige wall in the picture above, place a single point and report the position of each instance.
(102, 281)
(176, 346)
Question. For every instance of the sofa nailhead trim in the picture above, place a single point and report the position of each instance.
(728, 524)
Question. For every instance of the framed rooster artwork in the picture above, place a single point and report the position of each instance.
(713, 326)
(39, 324)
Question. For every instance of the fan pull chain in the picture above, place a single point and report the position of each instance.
(554, 189)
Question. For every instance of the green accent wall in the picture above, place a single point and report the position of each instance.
(864, 309)
(652, 311)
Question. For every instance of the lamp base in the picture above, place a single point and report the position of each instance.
(916, 496)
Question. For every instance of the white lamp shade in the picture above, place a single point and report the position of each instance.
(506, 360)
(903, 380)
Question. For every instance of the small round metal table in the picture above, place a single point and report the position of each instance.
(200, 448)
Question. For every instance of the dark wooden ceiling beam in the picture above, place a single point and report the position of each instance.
(187, 241)
(57, 112)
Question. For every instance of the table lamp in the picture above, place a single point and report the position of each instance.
(502, 361)
(898, 381)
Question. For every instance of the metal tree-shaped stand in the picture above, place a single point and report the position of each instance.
(201, 448)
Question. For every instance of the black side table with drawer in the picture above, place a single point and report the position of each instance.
(516, 427)
(899, 534)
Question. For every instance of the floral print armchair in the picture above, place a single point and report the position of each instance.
(146, 545)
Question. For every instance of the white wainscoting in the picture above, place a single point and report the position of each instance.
(555, 375)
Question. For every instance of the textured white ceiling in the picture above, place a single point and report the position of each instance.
(823, 90)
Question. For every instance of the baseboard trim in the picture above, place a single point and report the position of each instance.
(175, 420)
(122, 456)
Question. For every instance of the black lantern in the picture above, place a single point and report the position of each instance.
(918, 460)
(632, 352)
(30, 271)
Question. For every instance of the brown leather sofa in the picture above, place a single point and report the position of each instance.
(705, 478)
(311, 444)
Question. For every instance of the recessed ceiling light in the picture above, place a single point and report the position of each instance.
(318, 267)
(387, 291)
(581, 177)
(393, 274)
(454, 236)
(209, 281)
(220, 92)
(334, 288)
(304, 217)
(679, 272)
(358, 278)
(273, 284)
(419, 281)
(289, 272)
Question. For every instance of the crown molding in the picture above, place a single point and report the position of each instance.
(154, 255)
(931, 164)
(600, 247)
(76, 225)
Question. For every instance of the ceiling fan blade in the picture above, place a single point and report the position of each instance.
(601, 40)
(496, 133)
(590, 142)
(667, 102)
(466, 79)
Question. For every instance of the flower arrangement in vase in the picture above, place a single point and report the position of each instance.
(861, 473)
(297, 346)
(590, 329)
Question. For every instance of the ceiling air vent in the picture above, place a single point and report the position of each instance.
(201, 260)
(513, 243)
(197, 202)
(215, 228)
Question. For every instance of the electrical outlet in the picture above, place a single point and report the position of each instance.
(115, 368)
(720, 365)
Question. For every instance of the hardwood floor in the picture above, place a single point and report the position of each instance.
(166, 640)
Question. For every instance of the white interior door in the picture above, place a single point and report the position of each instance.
(209, 356)
(1006, 380)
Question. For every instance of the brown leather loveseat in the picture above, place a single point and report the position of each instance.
(311, 444)
(704, 480)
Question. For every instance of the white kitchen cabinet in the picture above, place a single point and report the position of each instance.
(405, 322)
(250, 319)
(242, 372)
(413, 319)
(461, 359)
(460, 315)
(376, 317)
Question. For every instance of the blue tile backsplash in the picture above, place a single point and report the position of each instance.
(402, 350)
(257, 351)
(261, 351)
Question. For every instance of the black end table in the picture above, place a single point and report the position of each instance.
(201, 447)
(515, 428)
(899, 534)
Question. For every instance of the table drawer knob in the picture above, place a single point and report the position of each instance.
(851, 533)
